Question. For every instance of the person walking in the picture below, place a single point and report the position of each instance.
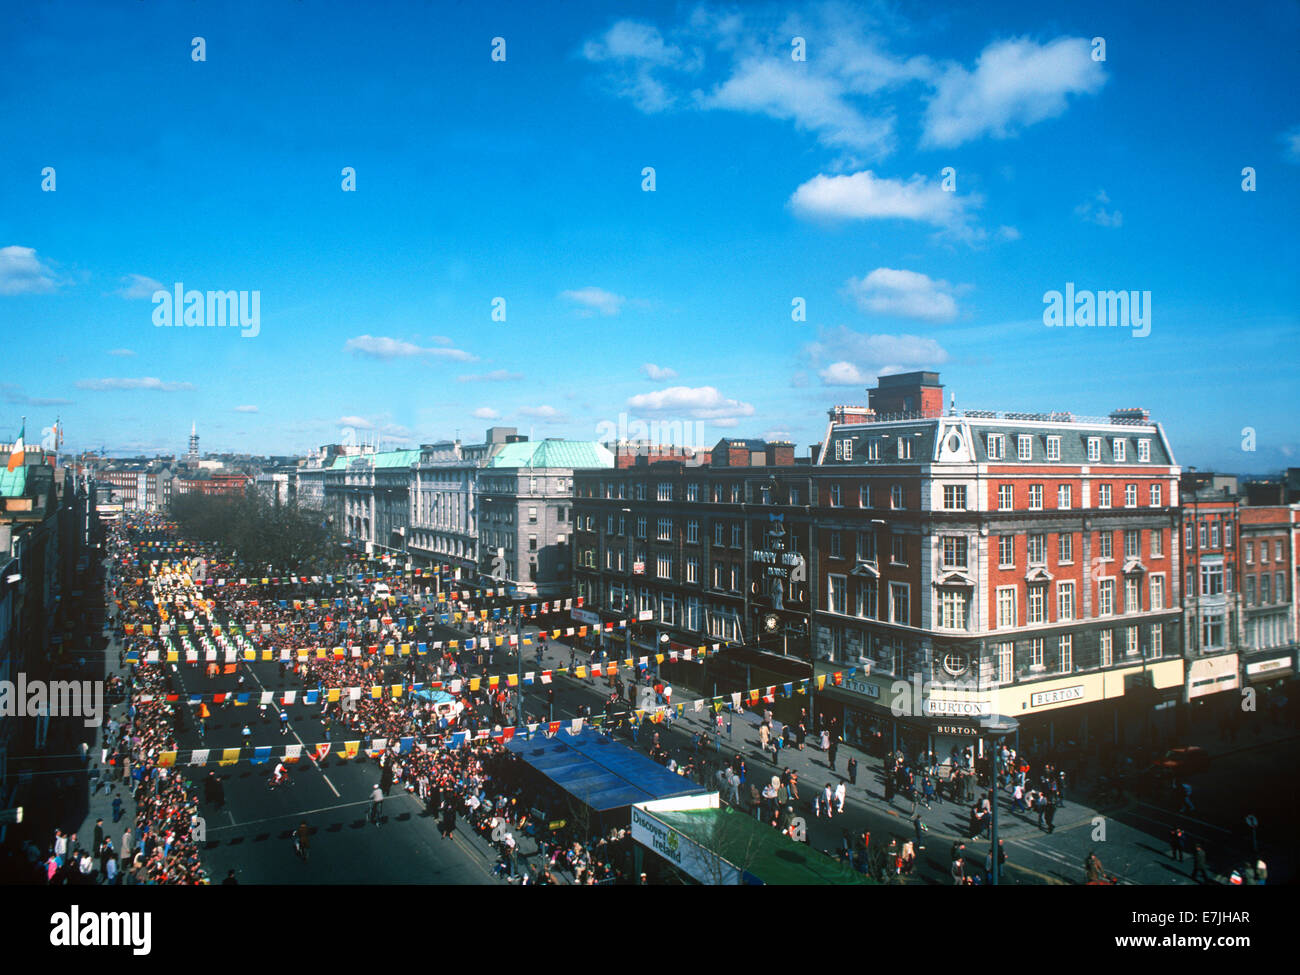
(447, 827)
(1176, 844)
(376, 804)
(1187, 799)
(301, 841)
(1199, 863)
(1050, 815)
(853, 770)
(832, 747)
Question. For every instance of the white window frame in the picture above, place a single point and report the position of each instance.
(1144, 451)
(1118, 449)
(996, 446)
(1024, 447)
(1006, 611)
(1053, 448)
(1065, 603)
(1094, 450)
(1007, 503)
(1064, 496)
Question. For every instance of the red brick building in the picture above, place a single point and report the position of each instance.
(1022, 564)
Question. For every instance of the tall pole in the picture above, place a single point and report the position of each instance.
(993, 838)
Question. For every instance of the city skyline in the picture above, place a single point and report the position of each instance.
(914, 186)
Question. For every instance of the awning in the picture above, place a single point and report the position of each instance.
(600, 773)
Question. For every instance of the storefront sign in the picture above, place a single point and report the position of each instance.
(685, 854)
(1264, 666)
(940, 707)
(1213, 674)
(1058, 696)
(865, 688)
(957, 730)
(585, 616)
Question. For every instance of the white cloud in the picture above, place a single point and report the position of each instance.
(147, 382)
(631, 52)
(865, 196)
(1291, 144)
(903, 294)
(834, 94)
(595, 300)
(857, 358)
(541, 412)
(1094, 211)
(1016, 83)
(699, 402)
(137, 286)
(1008, 233)
(382, 347)
(495, 376)
(13, 393)
(658, 373)
(360, 422)
(22, 272)
(486, 413)
(122, 353)
(245, 409)
(814, 101)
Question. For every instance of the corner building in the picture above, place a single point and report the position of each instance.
(998, 563)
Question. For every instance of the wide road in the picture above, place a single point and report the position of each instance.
(253, 833)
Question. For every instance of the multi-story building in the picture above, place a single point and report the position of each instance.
(371, 493)
(444, 501)
(31, 589)
(140, 486)
(703, 552)
(525, 496)
(998, 563)
(1213, 628)
(1268, 568)
(215, 485)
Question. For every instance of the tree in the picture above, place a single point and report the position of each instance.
(284, 536)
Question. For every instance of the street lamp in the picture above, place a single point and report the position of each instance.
(996, 727)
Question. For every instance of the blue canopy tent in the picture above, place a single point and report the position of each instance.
(600, 773)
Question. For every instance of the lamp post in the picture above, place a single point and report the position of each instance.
(996, 727)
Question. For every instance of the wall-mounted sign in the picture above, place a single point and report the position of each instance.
(958, 730)
(1058, 696)
(940, 706)
(865, 688)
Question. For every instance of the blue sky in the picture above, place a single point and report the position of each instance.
(775, 179)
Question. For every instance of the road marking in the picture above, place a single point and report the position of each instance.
(1180, 816)
(252, 673)
(304, 812)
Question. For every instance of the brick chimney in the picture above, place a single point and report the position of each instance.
(780, 453)
(908, 392)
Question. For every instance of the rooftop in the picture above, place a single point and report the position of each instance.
(571, 454)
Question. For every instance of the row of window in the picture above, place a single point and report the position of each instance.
(1278, 551)
(953, 607)
(732, 492)
(996, 446)
(891, 659)
(1065, 496)
(1266, 592)
(1208, 534)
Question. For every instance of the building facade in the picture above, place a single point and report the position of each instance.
(976, 563)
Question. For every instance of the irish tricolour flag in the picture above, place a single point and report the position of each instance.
(16, 455)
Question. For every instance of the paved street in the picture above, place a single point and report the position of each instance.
(253, 832)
